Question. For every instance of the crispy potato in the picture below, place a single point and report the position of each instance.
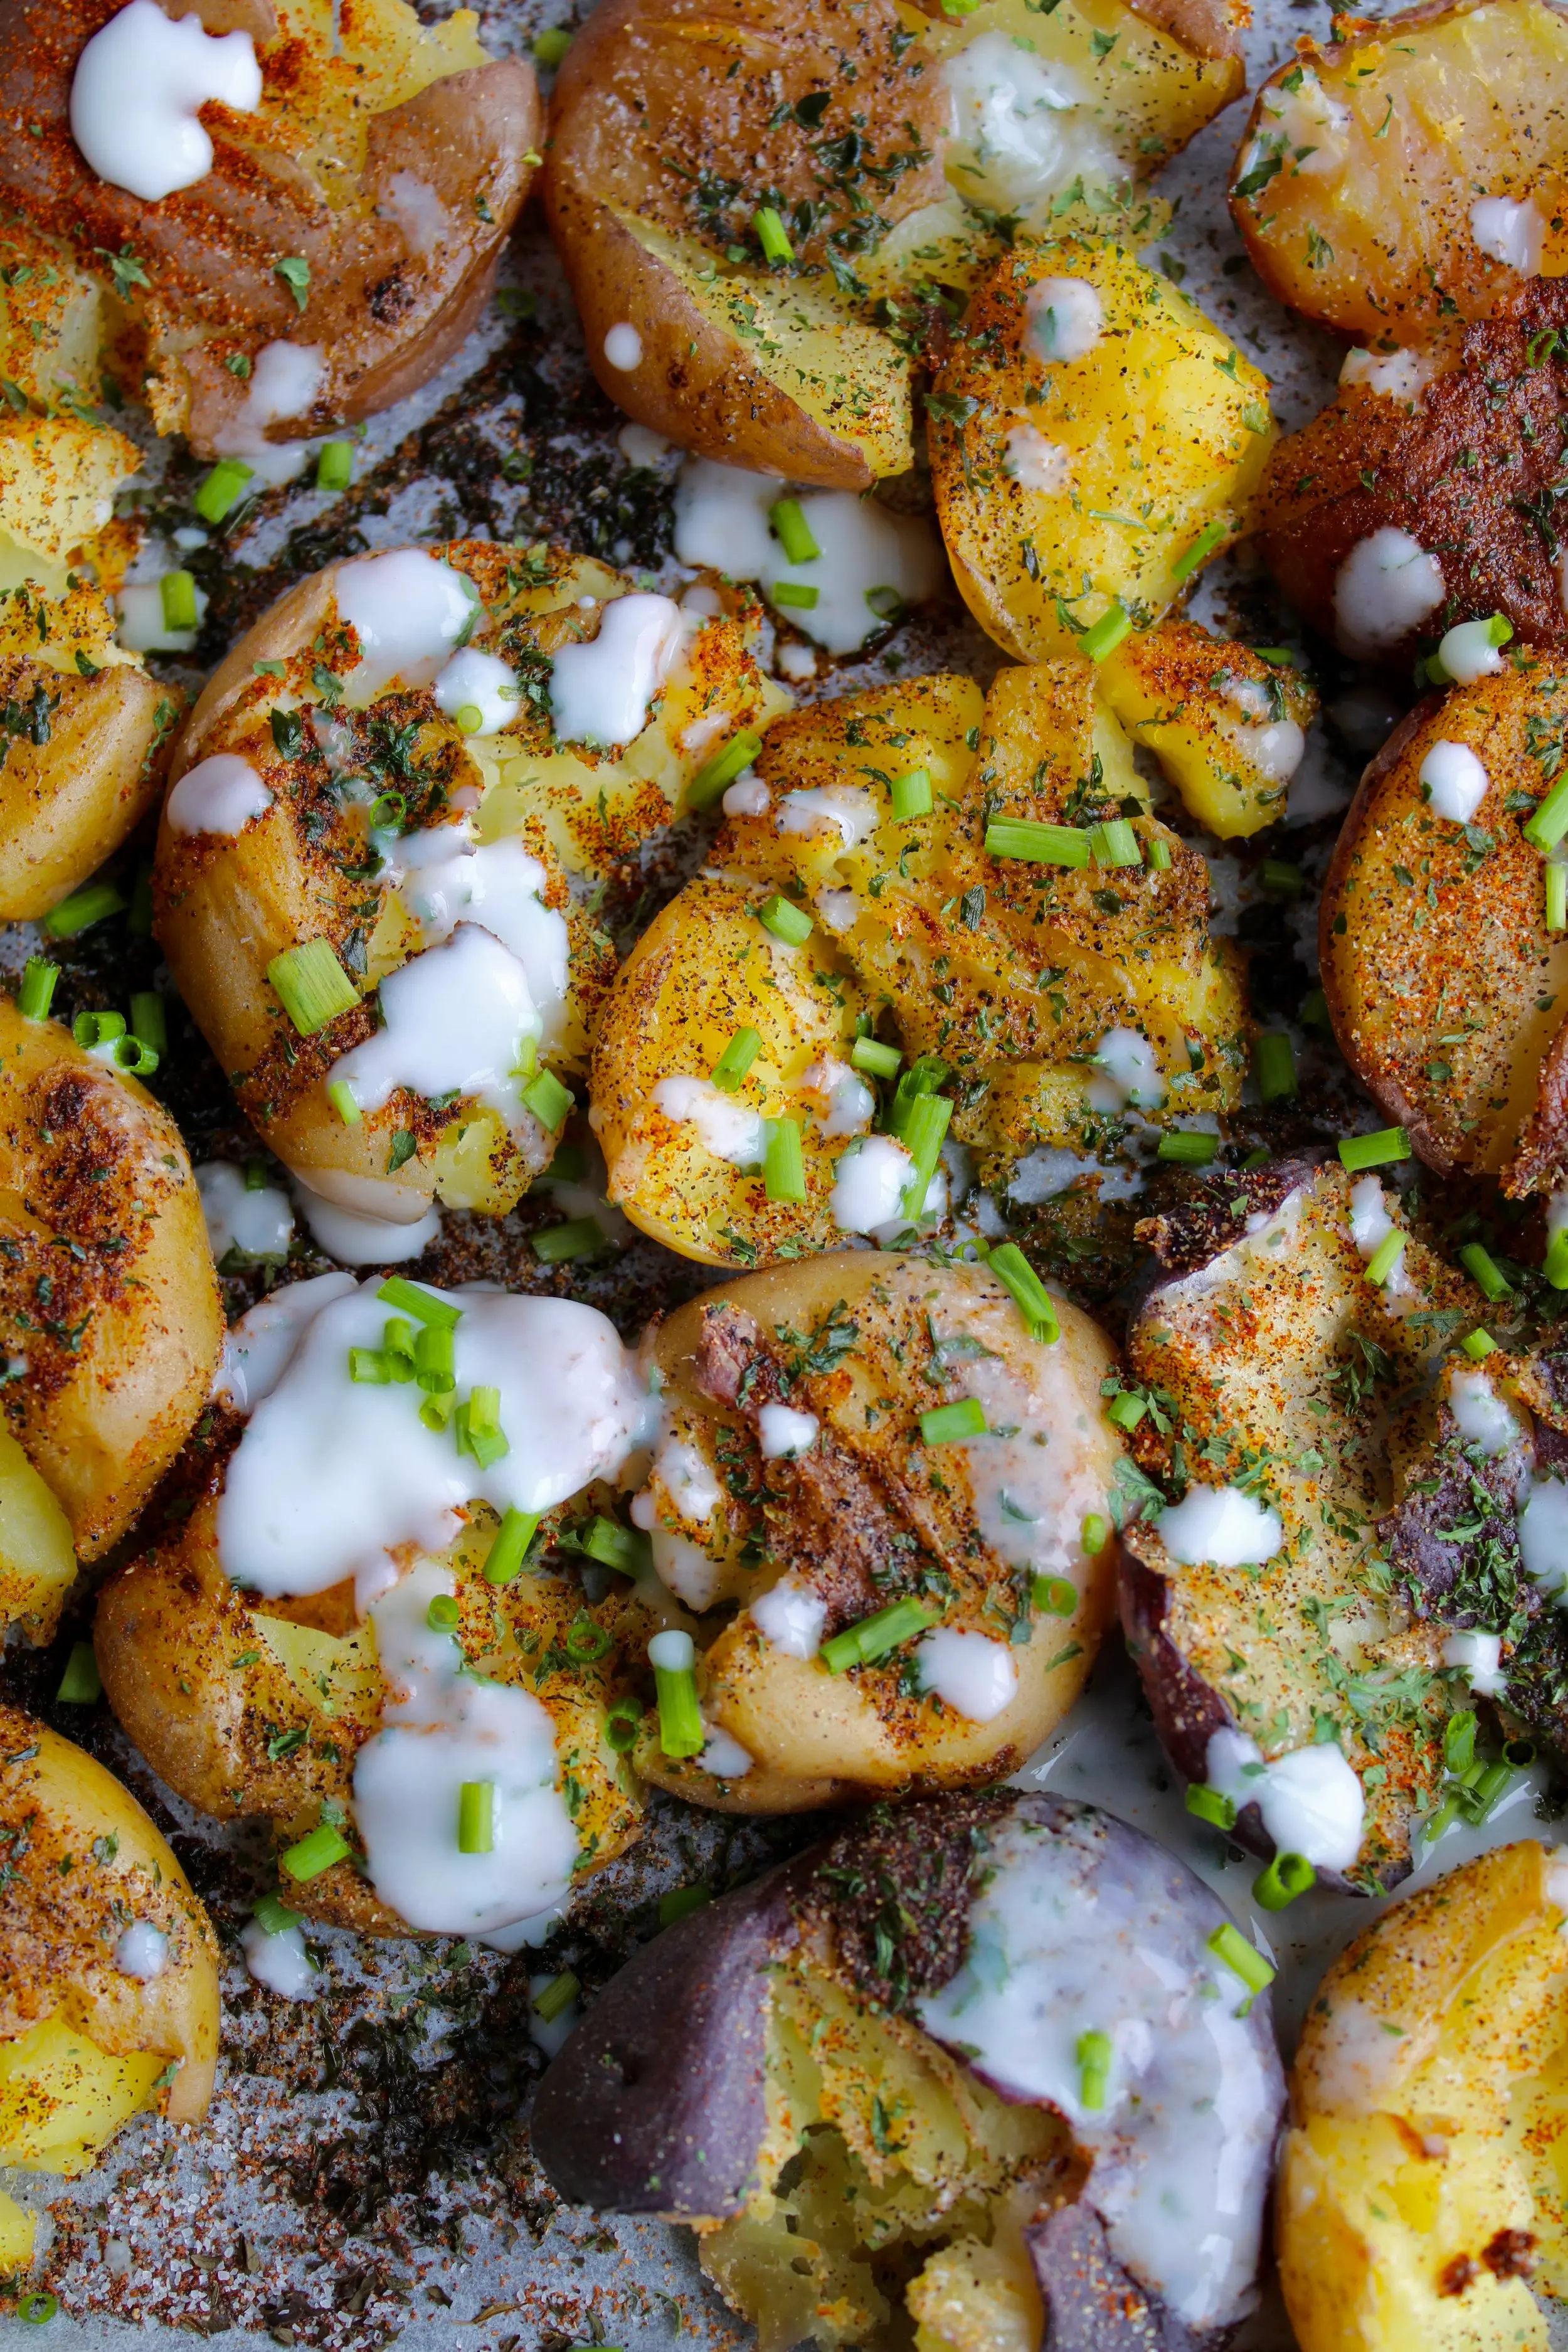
(1453, 1020)
(391, 161)
(1066, 486)
(228, 904)
(1377, 182)
(1460, 458)
(864, 1344)
(842, 2118)
(51, 323)
(85, 2041)
(1419, 2185)
(673, 122)
(58, 476)
(109, 1316)
(1227, 725)
(1010, 976)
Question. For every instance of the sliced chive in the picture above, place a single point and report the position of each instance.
(221, 490)
(623, 1724)
(1036, 845)
(795, 595)
(1314, 1014)
(1115, 843)
(178, 594)
(787, 517)
(412, 1298)
(1209, 1805)
(549, 1100)
(1285, 880)
(36, 992)
(785, 920)
(1093, 2069)
(1287, 1876)
(1549, 823)
(1159, 855)
(1379, 1151)
(1127, 1409)
(1095, 1534)
(1556, 897)
(335, 466)
(1027, 1292)
(1556, 1267)
(480, 1436)
(877, 1061)
(721, 769)
(784, 1167)
(477, 1817)
(676, 1903)
(1198, 551)
(148, 1020)
(910, 796)
(570, 1166)
(436, 1411)
(586, 1641)
(484, 1408)
(1477, 1343)
(551, 46)
(443, 1614)
(558, 1245)
(90, 1029)
(137, 1060)
(925, 1130)
(874, 1636)
(1103, 636)
(1055, 1596)
(397, 1344)
(312, 985)
(736, 1059)
(315, 1852)
(1459, 1740)
(80, 1683)
(773, 239)
(1230, 1947)
(948, 1425)
(369, 1368)
(1485, 1272)
(673, 1659)
(1259, 1158)
(1386, 1257)
(273, 1917)
(612, 1545)
(1274, 1067)
(554, 1997)
(341, 1094)
(924, 1076)
(435, 1358)
(37, 2310)
(467, 719)
(1189, 1149)
(505, 1558)
(84, 906)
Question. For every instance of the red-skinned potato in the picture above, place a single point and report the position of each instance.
(388, 161)
(876, 2092)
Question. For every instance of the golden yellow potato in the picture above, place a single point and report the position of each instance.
(999, 977)
(1377, 182)
(678, 128)
(1227, 725)
(109, 1315)
(838, 1357)
(350, 784)
(1093, 439)
(108, 1986)
(385, 163)
(1420, 2185)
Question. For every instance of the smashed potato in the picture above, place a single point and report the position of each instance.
(340, 246)
(1420, 2189)
(1408, 175)
(741, 230)
(1227, 726)
(393, 801)
(1057, 999)
(1093, 439)
(794, 1477)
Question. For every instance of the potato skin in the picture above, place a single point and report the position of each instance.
(383, 315)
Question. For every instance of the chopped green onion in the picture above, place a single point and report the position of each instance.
(36, 992)
(397, 1344)
(623, 1722)
(1556, 897)
(1314, 1014)
(1095, 1534)
(551, 46)
(1198, 551)
(721, 769)
(90, 1029)
(677, 1903)
(467, 719)
(1386, 1257)
(570, 1166)
(557, 1244)
(312, 985)
(1379, 1151)
(1103, 636)
(443, 1614)
(484, 1410)
(1285, 880)
(788, 518)
(1027, 1292)
(1556, 1267)
(1259, 1158)
(481, 1438)
(612, 1545)
(874, 1636)
(586, 1641)
(1210, 1805)
(84, 906)
(1126, 1409)
(1485, 1272)
(505, 1558)
(1038, 845)
(1287, 1876)
(1188, 1149)
(947, 1424)
(1054, 1595)
(1549, 823)
(477, 1817)
(924, 1076)
(436, 1411)
(878, 1061)
(784, 920)
(736, 1059)
(273, 1917)
(80, 1683)
(149, 1023)
(1476, 1344)
(1481, 1796)
(369, 1368)
(549, 1101)
(435, 1358)
(177, 593)
(220, 492)
(1274, 1067)
(1459, 1740)
(673, 1659)
(783, 1168)
(335, 466)
(315, 1852)
(910, 796)
(923, 1134)
(795, 595)
(1159, 856)
(1093, 2070)
(1230, 1946)
(37, 2310)
(425, 1307)
(341, 1094)
(554, 1996)
(774, 241)
(1115, 843)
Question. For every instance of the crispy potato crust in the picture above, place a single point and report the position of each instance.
(1225, 723)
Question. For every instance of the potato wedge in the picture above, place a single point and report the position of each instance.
(1418, 2190)
(1004, 977)
(389, 161)
(841, 1354)
(1407, 176)
(1093, 438)
(676, 129)
(1227, 725)
(346, 786)
(108, 1990)
(109, 1316)
(1444, 986)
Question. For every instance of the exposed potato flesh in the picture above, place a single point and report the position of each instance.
(865, 1343)
(58, 476)
(1226, 725)
(38, 1556)
(351, 104)
(107, 1299)
(1011, 973)
(1420, 2185)
(51, 320)
(1373, 172)
(83, 2043)
(307, 868)
(1445, 985)
(1152, 436)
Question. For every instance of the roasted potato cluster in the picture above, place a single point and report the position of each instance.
(1228, 726)
(985, 868)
